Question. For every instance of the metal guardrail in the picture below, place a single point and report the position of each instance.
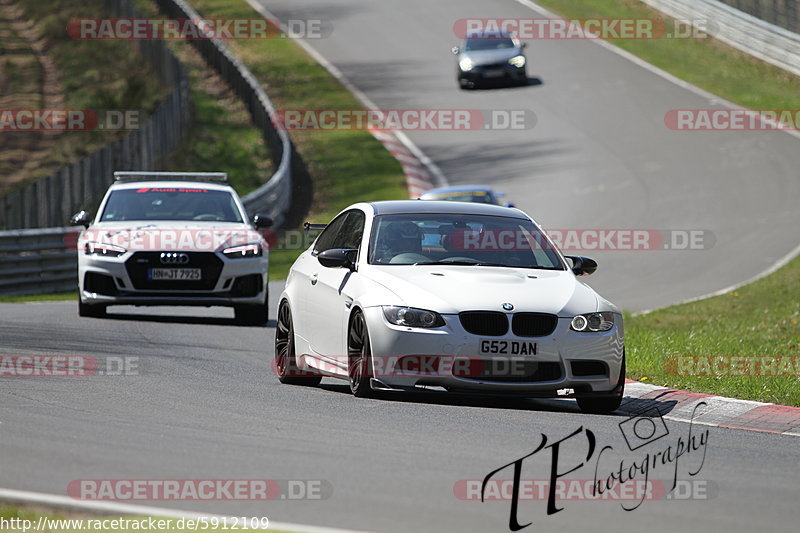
(38, 261)
(783, 13)
(275, 196)
(741, 30)
(51, 200)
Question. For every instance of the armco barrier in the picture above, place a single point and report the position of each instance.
(275, 196)
(741, 30)
(783, 13)
(51, 200)
(37, 261)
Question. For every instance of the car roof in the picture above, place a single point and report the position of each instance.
(395, 207)
(161, 184)
(459, 188)
(488, 34)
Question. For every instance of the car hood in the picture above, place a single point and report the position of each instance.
(452, 289)
(172, 235)
(487, 57)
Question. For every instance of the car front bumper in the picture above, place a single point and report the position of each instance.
(449, 357)
(489, 73)
(123, 281)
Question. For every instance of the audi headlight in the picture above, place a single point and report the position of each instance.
(103, 249)
(412, 317)
(517, 61)
(466, 64)
(246, 250)
(593, 322)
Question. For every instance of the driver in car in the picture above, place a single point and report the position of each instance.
(399, 242)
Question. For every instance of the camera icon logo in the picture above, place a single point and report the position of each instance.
(643, 428)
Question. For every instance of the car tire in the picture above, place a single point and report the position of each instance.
(91, 311)
(359, 357)
(252, 315)
(605, 404)
(285, 361)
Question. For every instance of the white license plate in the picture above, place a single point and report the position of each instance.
(502, 347)
(175, 274)
(494, 73)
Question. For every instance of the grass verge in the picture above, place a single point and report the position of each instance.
(705, 62)
(55, 297)
(759, 319)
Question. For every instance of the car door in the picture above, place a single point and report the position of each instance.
(304, 277)
(329, 299)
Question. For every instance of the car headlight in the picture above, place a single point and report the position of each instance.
(104, 249)
(466, 64)
(517, 61)
(245, 250)
(412, 317)
(593, 322)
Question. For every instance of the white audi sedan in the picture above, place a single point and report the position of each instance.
(470, 298)
(166, 238)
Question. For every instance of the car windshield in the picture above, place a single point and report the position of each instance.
(487, 43)
(480, 197)
(171, 203)
(460, 239)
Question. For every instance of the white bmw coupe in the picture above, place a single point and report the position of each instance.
(410, 295)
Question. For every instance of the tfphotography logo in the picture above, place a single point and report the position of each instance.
(626, 475)
(644, 428)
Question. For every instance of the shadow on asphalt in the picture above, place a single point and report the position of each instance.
(178, 319)
(534, 81)
(644, 408)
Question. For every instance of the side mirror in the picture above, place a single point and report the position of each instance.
(337, 258)
(455, 50)
(260, 221)
(509, 204)
(582, 266)
(523, 45)
(81, 218)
